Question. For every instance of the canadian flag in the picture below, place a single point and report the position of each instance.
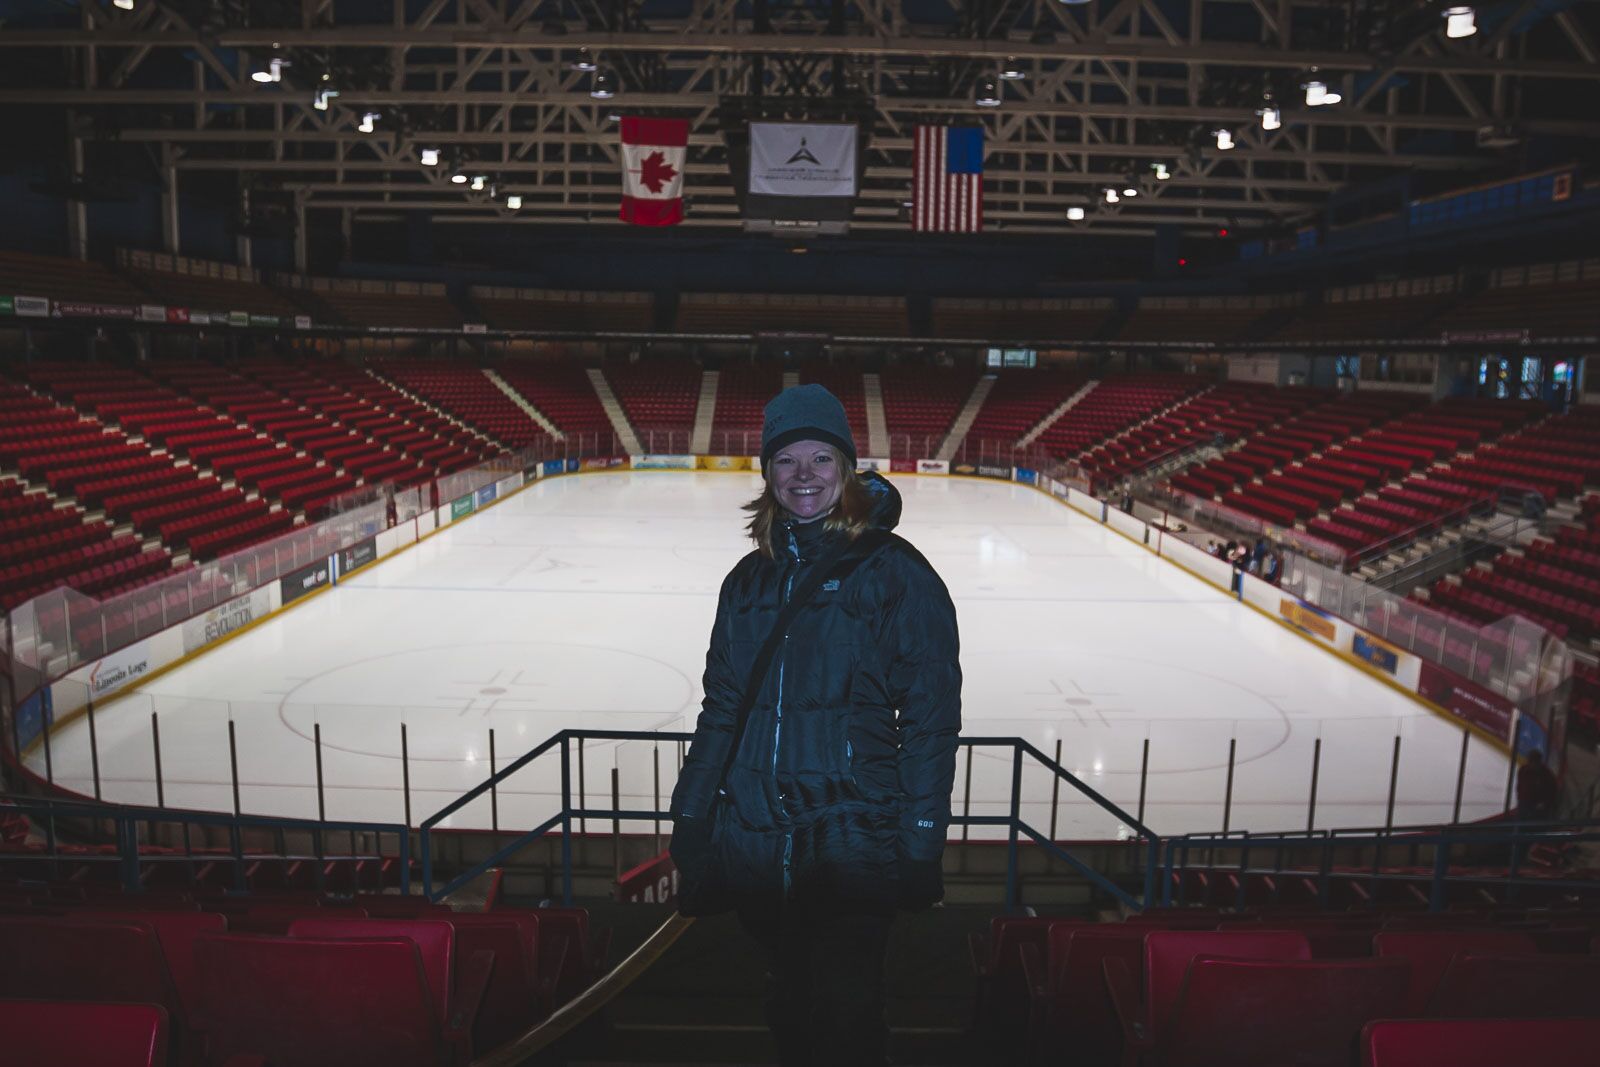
(653, 152)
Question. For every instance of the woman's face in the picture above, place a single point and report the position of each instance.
(807, 479)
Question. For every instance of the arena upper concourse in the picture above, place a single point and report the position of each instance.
(380, 386)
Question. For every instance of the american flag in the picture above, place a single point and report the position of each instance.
(947, 179)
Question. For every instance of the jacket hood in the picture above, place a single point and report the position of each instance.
(885, 500)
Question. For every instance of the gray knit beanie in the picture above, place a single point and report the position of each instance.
(805, 413)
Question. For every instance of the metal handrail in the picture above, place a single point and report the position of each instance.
(1012, 821)
(126, 818)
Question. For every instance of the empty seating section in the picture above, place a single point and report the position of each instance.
(1551, 300)
(172, 976)
(659, 398)
(743, 390)
(54, 453)
(196, 283)
(1554, 582)
(564, 311)
(920, 404)
(1407, 308)
(740, 313)
(845, 383)
(465, 393)
(1112, 408)
(1021, 319)
(1179, 318)
(59, 278)
(562, 392)
(1267, 985)
(1019, 401)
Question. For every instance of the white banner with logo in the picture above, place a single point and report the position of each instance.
(933, 466)
(223, 619)
(803, 159)
(33, 307)
(123, 667)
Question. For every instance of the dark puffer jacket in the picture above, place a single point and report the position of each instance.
(844, 772)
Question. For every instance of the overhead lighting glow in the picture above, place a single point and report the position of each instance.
(430, 157)
(1317, 94)
(584, 62)
(1075, 214)
(605, 85)
(458, 178)
(367, 121)
(125, 5)
(1271, 118)
(988, 93)
(1224, 139)
(477, 183)
(320, 101)
(1011, 70)
(513, 201)
(1460, 22)
(273, 73)
(1111, 196)
(1130, 191)
(1162, 173)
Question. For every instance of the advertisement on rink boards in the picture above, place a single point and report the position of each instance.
(224, 619)
(357, 555)
(650, 462)
(933, 466)
(982, 470)
(484, 495)
(1026, 476)
(461, 507)
(604, 463)
(307, 579)
(1467, 701)
(554, 466)
(1311, 620)
(722, 463)
(870, 464)
(122, 668)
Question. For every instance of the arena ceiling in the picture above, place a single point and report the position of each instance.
(1111, 93)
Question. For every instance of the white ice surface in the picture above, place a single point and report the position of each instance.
(585, 602)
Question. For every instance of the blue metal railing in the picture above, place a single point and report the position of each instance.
(1013, 822)
(1515, 837)
(130, 856)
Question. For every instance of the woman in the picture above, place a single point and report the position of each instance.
(815, 797)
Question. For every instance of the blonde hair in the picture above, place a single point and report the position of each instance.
(852, 514)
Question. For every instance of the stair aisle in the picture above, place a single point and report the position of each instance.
(705, 413)
(614, 412)
(522, 402)
(969, 414)
(877, 422)
(1050, 420)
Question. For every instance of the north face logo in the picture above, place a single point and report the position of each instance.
(831, 585)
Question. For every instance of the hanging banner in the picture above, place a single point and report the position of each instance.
(302, 322)
(177, 316)
(803, 159)
(152, 313)
(474, 327)
(36, 307)
(75, 309)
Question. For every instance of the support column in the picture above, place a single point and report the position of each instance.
(170, 231)
(77, 210)
(302, 240)
(242, 242)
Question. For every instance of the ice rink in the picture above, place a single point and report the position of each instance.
(586, 601)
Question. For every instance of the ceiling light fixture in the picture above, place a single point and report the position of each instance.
(584, 62)
(320, 100)
(1075, 214)
(513, 201)
(1271, 118)
(1162, 173)
(1460, 22)
(125, 5)
(1011, 70)
(458, 178)
(367, 121)
(273, 73)
(1130, 191)
(1111, 196)
(1224, 139)
(1317, 94)
(430, 157)
(477, 183)
(988, 93)
(605, 85)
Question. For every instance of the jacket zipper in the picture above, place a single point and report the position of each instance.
(777, 729)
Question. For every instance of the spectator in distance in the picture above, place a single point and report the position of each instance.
(1537, 789)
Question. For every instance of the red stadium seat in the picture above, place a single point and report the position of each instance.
(82, 1034)
(1267, 1013)
(1518, 987)
(1480, 1042)
(1430, 953)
